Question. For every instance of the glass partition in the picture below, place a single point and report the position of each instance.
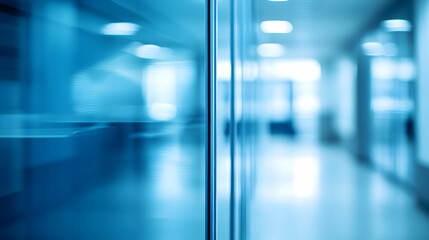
(102, 130)
(389, 54)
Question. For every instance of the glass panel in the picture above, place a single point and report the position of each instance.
(236, 123)
(102, 119)
(223, 120)
(392, 97)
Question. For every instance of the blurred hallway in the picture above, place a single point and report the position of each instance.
(305, 190)
(214, 119)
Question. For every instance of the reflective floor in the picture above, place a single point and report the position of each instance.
(303, 191)
(157, 193)
(308, 191)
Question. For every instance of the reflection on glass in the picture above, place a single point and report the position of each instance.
(389, 51)
(223, 121)
(101, 119)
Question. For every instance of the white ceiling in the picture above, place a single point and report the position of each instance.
(322, 28)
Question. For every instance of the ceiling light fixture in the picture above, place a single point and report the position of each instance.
(151, 51)
(276, 27)
(373, 49)
(397, 25)
(271, 50)
(120, 28)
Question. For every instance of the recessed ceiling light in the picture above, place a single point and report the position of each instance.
(276, 27)
(150, 51)
(373, 49)
(120, 28)
(397, 25)
(271, 50)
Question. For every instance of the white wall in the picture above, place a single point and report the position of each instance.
(338, 94)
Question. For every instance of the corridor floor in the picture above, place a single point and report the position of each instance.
(307, 191)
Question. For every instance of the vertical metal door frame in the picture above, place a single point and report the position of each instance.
(211, 48)
(232, 123)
